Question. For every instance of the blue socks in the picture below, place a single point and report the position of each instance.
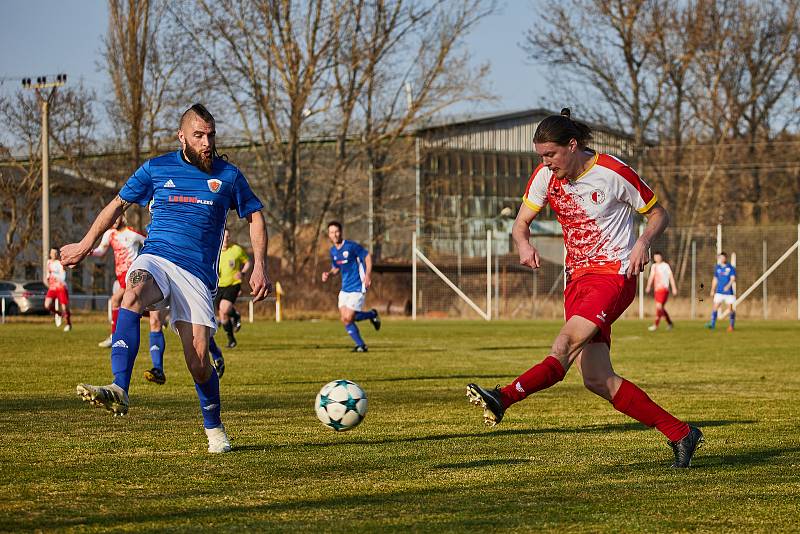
(733, 318)
(352, 329)
(208, 393)
(157, 345)
(361, 315)
(713, 319)
(124, 346)
(214, 349)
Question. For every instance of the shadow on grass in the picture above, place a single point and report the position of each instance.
(482, 463)
(591, 429)
(514, 347)
(412, 378)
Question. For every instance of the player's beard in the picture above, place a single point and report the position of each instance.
(198, 160)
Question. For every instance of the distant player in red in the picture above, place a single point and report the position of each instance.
(125, 242)
(57, 291)
(594, 197)
(661, 279)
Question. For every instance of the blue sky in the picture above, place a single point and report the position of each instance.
(52, 36)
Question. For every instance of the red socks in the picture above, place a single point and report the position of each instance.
(541, 376)
(666, 316)
(114, 315)
(635, 403)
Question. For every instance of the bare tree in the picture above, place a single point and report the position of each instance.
(605, 46)
(72, 122)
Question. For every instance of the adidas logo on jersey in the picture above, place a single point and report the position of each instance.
(169, 183)
(120, 343)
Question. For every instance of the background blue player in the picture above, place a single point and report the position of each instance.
(355, 264)
(723, 290)
(191, 190)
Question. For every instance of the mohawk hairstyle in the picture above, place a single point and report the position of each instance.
(201, 111)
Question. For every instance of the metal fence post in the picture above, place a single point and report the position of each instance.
(641, 280)
(719, 239)
(764, 285)
(414, 276)
(489, 274)
(694, 279)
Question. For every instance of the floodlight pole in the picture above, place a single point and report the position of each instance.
(45, 99)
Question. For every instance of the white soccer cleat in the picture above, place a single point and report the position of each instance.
(57, 319)
(111, 397)
(106, 343)
(218, 441)
(68, 328)
(652, 328)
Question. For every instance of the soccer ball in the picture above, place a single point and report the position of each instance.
(341, 405)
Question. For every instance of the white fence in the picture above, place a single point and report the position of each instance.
(453, 277)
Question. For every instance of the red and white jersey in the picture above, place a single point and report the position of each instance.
(595, 211)
(662, 273)
(56, 275)
(125, 243)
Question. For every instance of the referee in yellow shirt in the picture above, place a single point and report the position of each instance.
(233, 263)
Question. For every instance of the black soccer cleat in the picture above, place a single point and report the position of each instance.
(376, 321)
(237, 321)
(493, 410)
(155, 375)
(360, 348)
(219, 365)
(685, 448)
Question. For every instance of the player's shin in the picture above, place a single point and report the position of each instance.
(157, 345)
(210, 406)
(124, 347)
(541, 376)
(635, 403)
(353, 332)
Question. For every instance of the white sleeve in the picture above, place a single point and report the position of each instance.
(102, 248)
(535, 196)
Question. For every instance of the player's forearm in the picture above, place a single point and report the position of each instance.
(368, 265)
(103, 222)
(657, 222)
(258, 238)
(521, 233)
(246, 267)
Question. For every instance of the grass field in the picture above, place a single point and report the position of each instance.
(563, 460)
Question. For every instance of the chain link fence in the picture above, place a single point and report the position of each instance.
(518, 292)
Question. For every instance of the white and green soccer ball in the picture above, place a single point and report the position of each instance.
(341, 405)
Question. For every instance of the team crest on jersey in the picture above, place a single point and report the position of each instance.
(598, 196)
(345, 253)
(214, 184)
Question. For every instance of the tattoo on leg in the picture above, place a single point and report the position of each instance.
(138, 277)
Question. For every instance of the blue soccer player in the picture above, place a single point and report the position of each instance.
(723, 290)
(192, 190)
(355, 264)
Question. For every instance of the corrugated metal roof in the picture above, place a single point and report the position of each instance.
(509, 132)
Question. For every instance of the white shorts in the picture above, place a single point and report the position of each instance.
(188, 298)
(726, 299)
(353, 300)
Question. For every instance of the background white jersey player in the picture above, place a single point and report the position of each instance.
(125, 242)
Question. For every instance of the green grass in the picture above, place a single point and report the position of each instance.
(563, 460)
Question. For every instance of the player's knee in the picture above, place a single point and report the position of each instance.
(598, 386)
(200, 371)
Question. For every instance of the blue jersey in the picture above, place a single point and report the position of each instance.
(189, 208)
(349, 259)
(723, 275)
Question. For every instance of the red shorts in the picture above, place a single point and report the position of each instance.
(601, 299)
(661, 295)
(122, 280)
(60, 294)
